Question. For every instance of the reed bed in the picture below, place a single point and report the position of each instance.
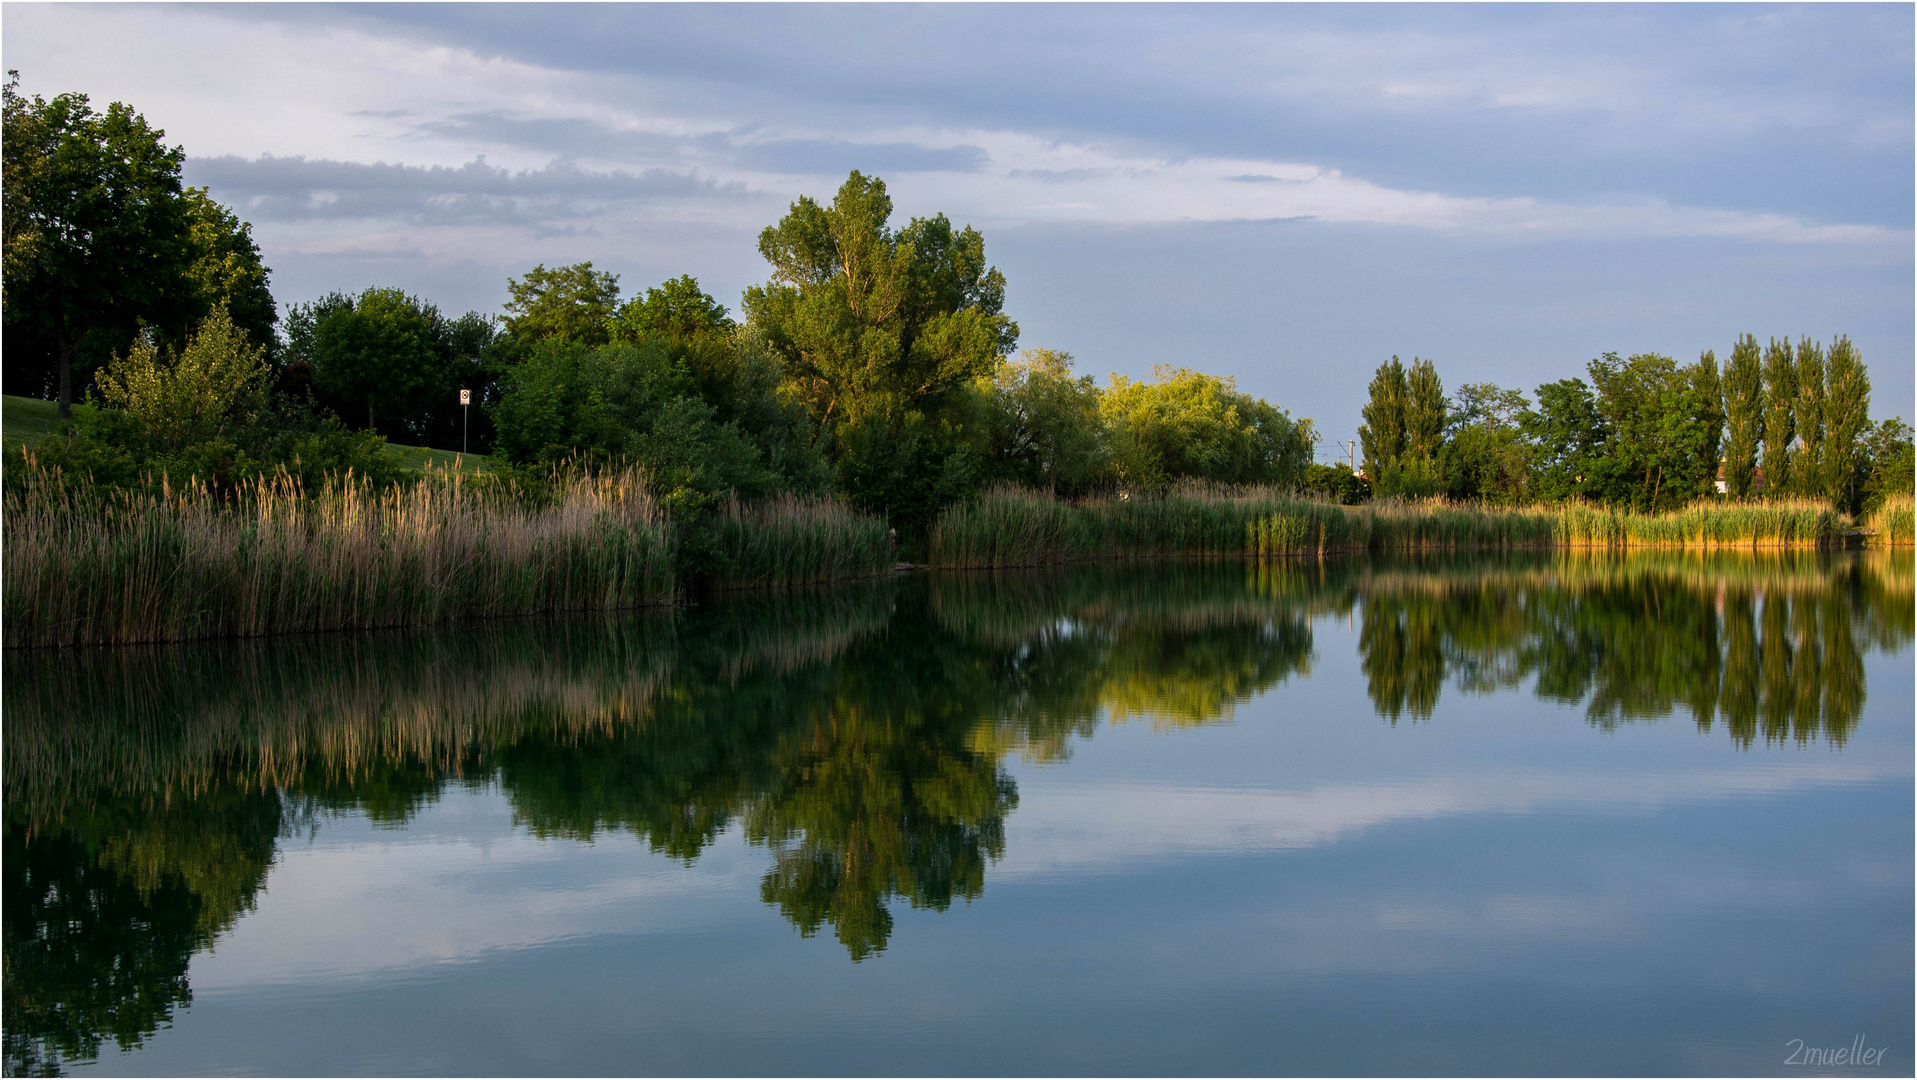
(1894, 524)
(798, 540)
(1016, 527)
(84, 567)
(1782, 523)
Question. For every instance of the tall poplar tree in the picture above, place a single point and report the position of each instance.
(1382, 433)
(1743, 415)
(1708, 387)
(1780, 399)
(1808, 468)
(1846, 416)
(1424, 412)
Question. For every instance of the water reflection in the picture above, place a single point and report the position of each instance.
(859, 734)
(1771, 646)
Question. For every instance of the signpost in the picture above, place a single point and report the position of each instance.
(465, 417)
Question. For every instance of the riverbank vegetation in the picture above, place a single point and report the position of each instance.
(868, 401)
(1020, 527)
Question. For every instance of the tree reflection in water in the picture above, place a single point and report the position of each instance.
(858, 733)
(1770, 646)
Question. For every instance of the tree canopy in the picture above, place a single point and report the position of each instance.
(101, 240)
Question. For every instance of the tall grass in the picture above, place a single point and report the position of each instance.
(1782, 523)
(1894, 524)
(1016, 527)
(798, 540)
(87, 567)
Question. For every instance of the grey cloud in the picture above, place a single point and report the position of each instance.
(273, 188)
(565, 135)
(739, 147)
(1060, 176)
(822, 156)
(1802, 111)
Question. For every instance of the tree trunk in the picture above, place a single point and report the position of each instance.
(369, 415)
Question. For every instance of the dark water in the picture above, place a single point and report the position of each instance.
(1526, 815)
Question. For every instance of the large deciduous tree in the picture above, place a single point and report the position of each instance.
(225, 271)
(1654, 457)
(1042, 425)
(1189, 425)
(97, 236)
(568, 303)
(881, 331)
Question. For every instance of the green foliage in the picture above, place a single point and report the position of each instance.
(1383, 430)
(1337, 483)
(1807, 472)
(1424, 414)
(677, 310)
(1846, 418)
(97, 237)
(567, 303)
(226, 271)
(1892, 470)
(625, 404)
(1654, 458)
(390, 362)
(882, 335)
(1780, 416)
(1189, 425)
(205, 414)
(373, 356)
(1042, 427)
(212, 388)
(1568, 435)
(1485, 453)
(1708, 388)
(1404, 430)
(1743, 416)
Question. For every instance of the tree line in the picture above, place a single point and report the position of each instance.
(876, 361)
(1644, 432)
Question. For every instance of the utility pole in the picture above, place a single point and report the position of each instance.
(465, 418)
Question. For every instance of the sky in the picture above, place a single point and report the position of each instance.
(1288, 195)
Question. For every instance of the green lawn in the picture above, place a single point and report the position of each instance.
(25, 421)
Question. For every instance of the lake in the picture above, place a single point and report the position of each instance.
(1527, 814)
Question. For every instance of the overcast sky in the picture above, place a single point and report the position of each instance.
(1285, 194)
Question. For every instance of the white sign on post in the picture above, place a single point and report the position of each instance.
(465, 397)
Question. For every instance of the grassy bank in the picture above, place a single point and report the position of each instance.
(88, 567)
(1894, 524)
(1013, 527)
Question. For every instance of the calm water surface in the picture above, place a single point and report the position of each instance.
(1552, 814)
